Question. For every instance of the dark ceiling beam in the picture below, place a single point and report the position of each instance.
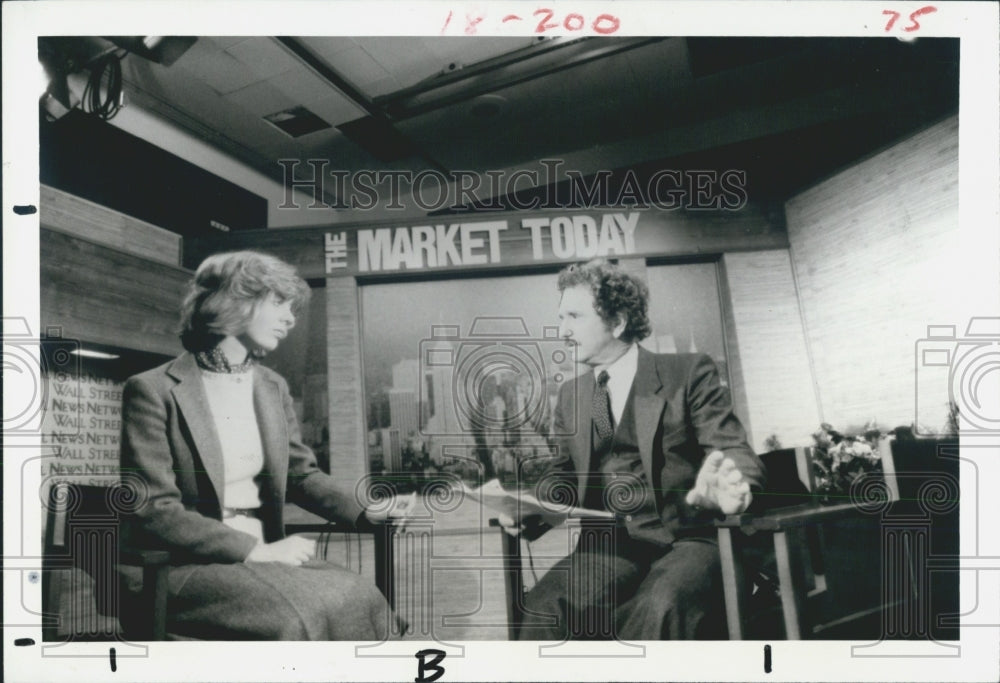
(887, 94)
(920, 96)
(785, 94)
(502, 72)
(792, 76)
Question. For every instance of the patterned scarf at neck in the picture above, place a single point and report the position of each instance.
(216, 361)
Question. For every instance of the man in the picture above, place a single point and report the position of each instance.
(655, 441)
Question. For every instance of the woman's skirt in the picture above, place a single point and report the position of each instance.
(272, 601)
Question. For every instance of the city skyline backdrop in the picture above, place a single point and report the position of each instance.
(513, 321)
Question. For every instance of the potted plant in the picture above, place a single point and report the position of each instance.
(838, 460)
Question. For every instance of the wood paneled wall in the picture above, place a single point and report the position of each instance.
(81, 218)
(104, 296)
(107, 278)
(874, 250)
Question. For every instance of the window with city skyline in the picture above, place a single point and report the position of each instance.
(301, 360)
(461, 375)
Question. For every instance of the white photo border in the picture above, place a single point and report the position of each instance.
(977, 292)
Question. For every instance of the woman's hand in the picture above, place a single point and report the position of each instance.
(397, 510)
(293, 551)
(529, 527)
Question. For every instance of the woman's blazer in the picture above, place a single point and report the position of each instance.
(170, 453)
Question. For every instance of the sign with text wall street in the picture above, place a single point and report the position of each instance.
(488, 241)
(82, 425)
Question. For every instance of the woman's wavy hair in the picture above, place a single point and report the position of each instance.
(225, 293)
(616, 294)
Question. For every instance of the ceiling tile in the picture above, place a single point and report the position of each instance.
(222, 72)
(414, 60)
(303, 86)
(329, 47)
(222, 42)
(358, 67)
(315, 145)
(261, 99)
(336, 109)
(400, 54)
(264, 56)
(202, 48)
(173, 89)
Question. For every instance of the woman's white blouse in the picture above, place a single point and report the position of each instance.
(230, 400)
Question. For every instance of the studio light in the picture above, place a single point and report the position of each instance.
(86, 71)
(163, 50)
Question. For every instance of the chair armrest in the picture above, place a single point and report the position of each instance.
(494, 522)
(341, 528)
(152, 601)
(320, 528)
(382, 533)
(577, 521)
(790, 517)
(528, 533)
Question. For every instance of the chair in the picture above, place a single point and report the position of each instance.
(513, 573)
(82, 532)
(775, 557)
(513, 580)
(774, 551)
(928, 479)
(831, 563)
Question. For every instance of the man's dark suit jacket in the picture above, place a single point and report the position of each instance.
(682, 413)
(170, 445)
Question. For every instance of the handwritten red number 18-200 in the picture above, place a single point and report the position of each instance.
(603, 24)
(914, 25)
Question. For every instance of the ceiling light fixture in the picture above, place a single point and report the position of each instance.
(296, 122)
(163, 50)
(90, 353)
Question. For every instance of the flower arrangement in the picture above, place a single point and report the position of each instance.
(838, 460)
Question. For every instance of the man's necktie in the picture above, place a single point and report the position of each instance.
(602, 414)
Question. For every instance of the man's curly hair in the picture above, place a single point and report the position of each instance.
(616, 293)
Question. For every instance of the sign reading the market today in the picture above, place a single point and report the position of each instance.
(481, 242)
(502, 240)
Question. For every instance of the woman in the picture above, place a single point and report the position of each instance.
(212, 444)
